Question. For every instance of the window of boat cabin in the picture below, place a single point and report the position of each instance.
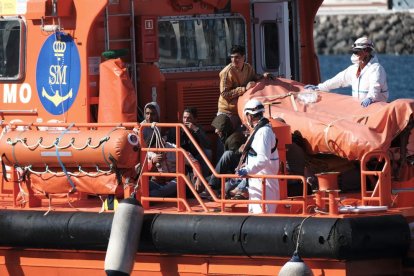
(271, 46)
(12, 33)
(198, 43)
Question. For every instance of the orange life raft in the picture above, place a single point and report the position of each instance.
(335, 124)
(86, 148)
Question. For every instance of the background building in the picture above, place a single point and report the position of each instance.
(365, 6)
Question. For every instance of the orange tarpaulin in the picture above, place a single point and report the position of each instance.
(335, 123)
(117, 98)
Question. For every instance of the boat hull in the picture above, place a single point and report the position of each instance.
(348, 238)
(81, 263)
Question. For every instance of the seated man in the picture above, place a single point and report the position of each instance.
(190, 121)
(228, 162)
(165, 162)
(296, 164)
(152, 114)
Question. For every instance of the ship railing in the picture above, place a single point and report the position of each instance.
(183, 181)
(381, 194)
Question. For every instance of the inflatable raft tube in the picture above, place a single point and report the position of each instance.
(333, 238)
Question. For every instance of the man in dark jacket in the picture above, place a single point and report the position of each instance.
(232, 141)
(190, 121)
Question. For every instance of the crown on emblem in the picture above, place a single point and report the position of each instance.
(59, 48)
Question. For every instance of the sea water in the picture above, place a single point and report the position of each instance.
(399, 69)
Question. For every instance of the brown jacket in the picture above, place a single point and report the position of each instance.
(232, 85)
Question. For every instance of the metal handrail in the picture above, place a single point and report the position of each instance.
(382, 190)
(223, 202)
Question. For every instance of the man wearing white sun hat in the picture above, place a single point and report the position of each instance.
(366, 76)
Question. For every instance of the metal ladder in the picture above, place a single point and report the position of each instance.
(132, 66)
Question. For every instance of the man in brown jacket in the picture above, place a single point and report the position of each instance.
(235, 79)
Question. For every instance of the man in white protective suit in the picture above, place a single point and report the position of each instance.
(366, 76)
(260, 157)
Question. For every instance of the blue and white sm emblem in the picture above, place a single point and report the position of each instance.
(58, 73)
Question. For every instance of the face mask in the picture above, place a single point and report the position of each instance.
(355, 59)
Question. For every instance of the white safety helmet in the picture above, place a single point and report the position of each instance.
(363, 43)
(253, 106)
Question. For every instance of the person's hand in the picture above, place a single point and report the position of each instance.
(250, 85)
(191, 126)
(268, 76)
(198, 185)
(367, 102)
(311, 87)
(157, 158)
(241, 172)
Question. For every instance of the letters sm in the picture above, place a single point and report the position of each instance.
(58, 73)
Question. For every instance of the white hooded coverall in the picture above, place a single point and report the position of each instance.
(264, 162)
(371, 83)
